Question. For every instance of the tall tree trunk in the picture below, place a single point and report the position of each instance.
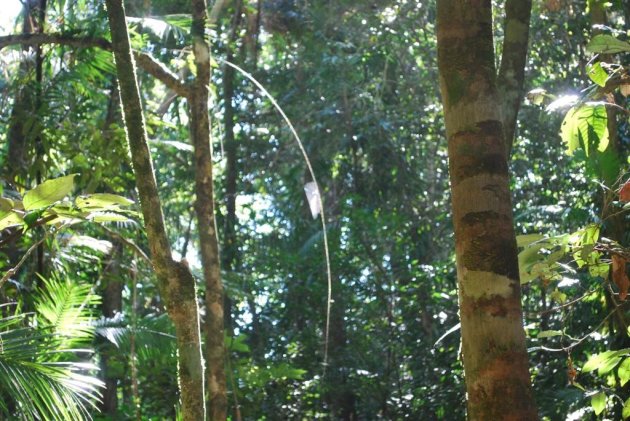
(175, 282)
(204, 207)
(230, 248)
(493, 339)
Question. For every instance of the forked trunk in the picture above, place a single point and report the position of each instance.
(493, 340)
(175, 282)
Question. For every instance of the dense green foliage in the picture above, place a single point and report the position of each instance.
(358, 79)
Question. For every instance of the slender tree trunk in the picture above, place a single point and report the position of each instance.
(493, 339)
(204, 207)
(175, 282)
(230, 248)
(112, 304)
(512, 71)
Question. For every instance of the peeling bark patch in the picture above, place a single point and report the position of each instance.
(476, 285)
(486, 241)
(477, 151)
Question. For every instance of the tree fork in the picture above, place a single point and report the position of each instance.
(175, 282)
(493, 340)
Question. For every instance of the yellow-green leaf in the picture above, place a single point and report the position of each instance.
(48, 192)
(10, 219)
(6, 204)
(102, 201)
(597, 74)
(624, 371)
(107, 217)
(598, 402)
(585, 127)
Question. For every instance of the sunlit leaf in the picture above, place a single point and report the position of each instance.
(107, 217)
(597, 361)
(585, 127)
(6, 204)
(624, 372)
(48, 192)
(597, 74)
(10, 219)
(102, 202)
(598, 402)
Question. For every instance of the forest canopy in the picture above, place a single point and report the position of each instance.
(292, 209)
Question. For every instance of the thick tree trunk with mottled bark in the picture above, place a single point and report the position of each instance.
(175, 282)
(204, 208)
(493, 340)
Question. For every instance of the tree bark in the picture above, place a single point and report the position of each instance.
(204, 208)
(493, 339)
(112, 304)
(175, 282)
(230, 249)
(512, 70)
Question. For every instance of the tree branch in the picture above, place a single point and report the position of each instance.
(512, 71)
(145, 61)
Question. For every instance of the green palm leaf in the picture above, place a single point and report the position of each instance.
(39, 375)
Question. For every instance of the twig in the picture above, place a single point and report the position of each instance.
(129, 243)
(17, 267)
(579, 341)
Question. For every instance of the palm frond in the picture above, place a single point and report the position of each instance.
(33, 386)
(64, 307)
(152, 334)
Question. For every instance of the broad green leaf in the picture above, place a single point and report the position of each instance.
(585, 127)
(549, 333)
(529, 256)
(101, 201)
(597, 74)
(9, 219)
(527, 239)
(598, 402)
(624, 372)
(6, 204)
(597, 361)
(607, 44)
(625, 413)
(608, 365)
(48, 192)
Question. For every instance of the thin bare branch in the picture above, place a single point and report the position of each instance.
(145, 61)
